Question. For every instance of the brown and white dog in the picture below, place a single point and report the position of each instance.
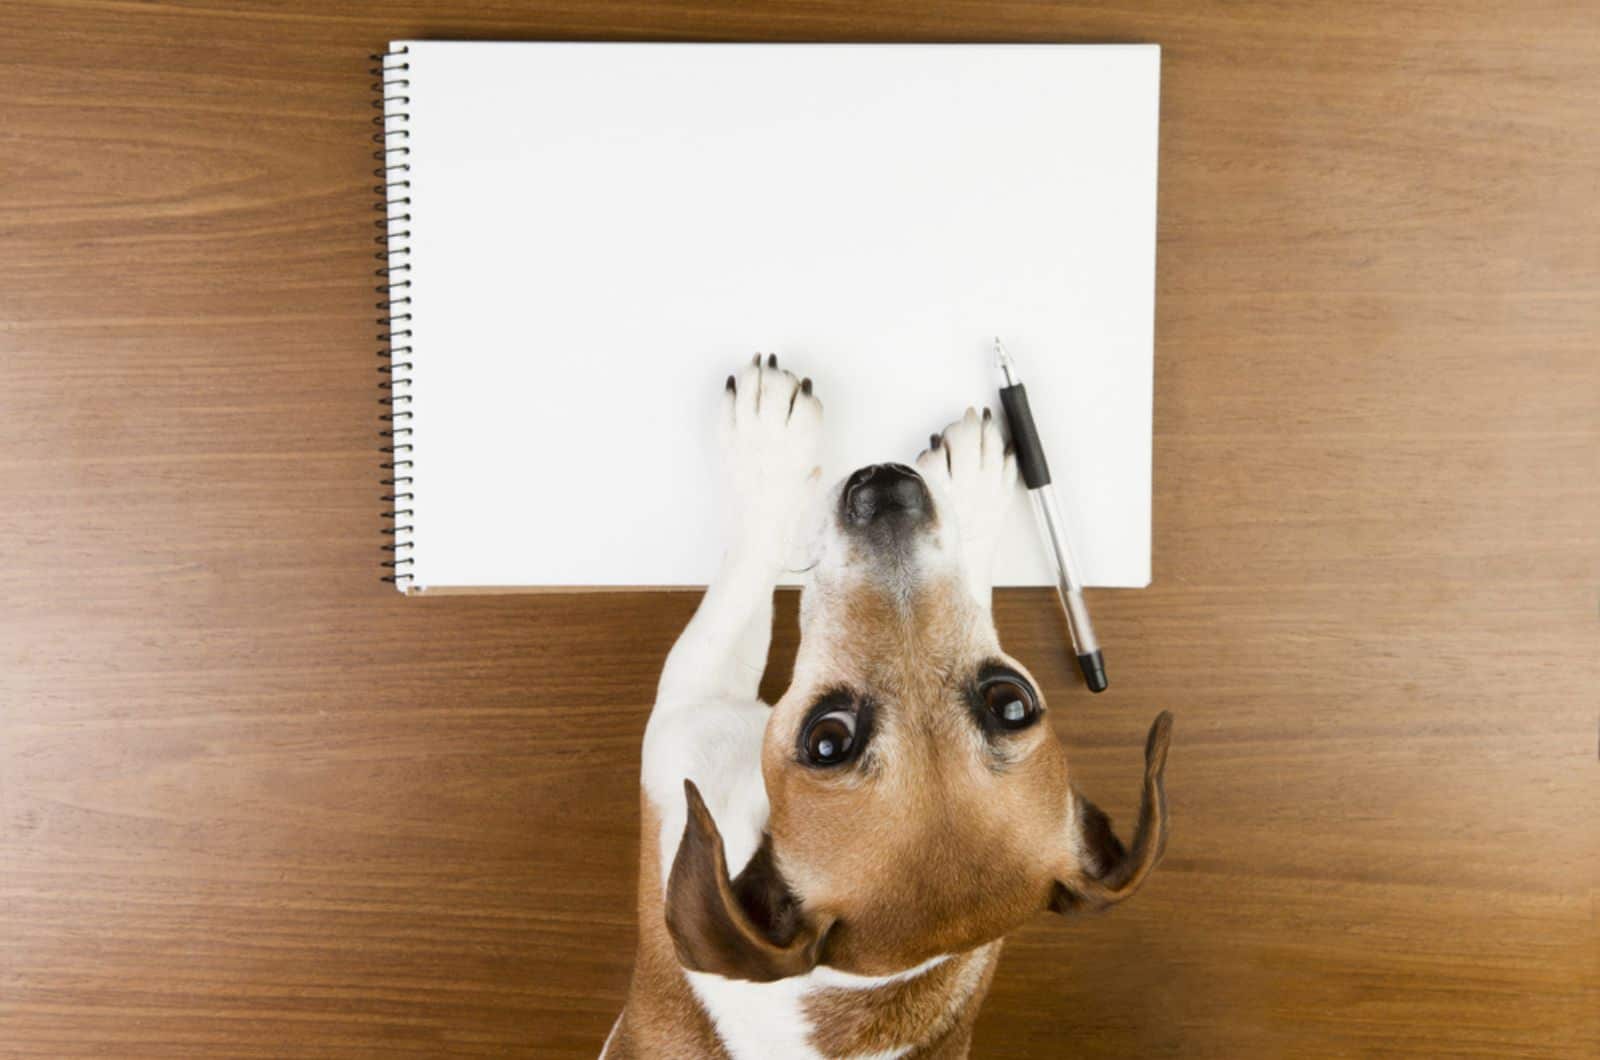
(831, 876)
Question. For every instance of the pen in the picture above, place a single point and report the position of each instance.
(1036, 476)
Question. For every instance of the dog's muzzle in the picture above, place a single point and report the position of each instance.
(885, 497)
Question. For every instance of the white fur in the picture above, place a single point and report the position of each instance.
(767, 1020)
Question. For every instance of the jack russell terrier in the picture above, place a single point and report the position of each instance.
(832, 876)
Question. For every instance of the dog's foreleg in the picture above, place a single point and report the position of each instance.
(770, 430)
(722, 652)
(708, 721)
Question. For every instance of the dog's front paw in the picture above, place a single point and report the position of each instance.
(771, 436)
(973, 474)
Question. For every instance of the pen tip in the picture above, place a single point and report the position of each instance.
(1002, 359)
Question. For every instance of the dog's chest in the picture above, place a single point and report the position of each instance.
(831, 1013)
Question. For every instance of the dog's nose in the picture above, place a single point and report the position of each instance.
(880, 490)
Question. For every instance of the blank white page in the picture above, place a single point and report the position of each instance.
(601, 233)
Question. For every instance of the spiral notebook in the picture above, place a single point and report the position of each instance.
(581, 241)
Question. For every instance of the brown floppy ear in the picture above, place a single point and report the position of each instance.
(749, 928)
(1110, 872)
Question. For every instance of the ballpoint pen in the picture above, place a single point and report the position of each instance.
(1052, 527)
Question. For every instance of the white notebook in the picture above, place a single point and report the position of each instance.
(584, 240)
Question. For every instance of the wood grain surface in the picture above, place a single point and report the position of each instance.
(254, 803)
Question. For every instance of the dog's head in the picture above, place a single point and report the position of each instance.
(921, 803)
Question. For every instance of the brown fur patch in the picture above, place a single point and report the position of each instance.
(956, 1041)
(917, 1012)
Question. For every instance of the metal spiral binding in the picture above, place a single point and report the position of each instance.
(391, 82)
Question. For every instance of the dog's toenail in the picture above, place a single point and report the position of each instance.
(756, 360)
(772, 360)
(933, 441)
(732, 387)
(805, 385)
(987, 415)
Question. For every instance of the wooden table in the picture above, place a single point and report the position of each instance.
(256, 804)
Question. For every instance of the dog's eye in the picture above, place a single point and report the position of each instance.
(1011, 705)
(830, 738)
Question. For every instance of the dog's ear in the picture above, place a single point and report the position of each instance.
(1108, 872)
(748, 928)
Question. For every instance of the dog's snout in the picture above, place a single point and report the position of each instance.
(884, 491)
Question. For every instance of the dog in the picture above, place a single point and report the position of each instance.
(832, 876)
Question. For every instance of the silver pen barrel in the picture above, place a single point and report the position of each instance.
(1069, 584)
